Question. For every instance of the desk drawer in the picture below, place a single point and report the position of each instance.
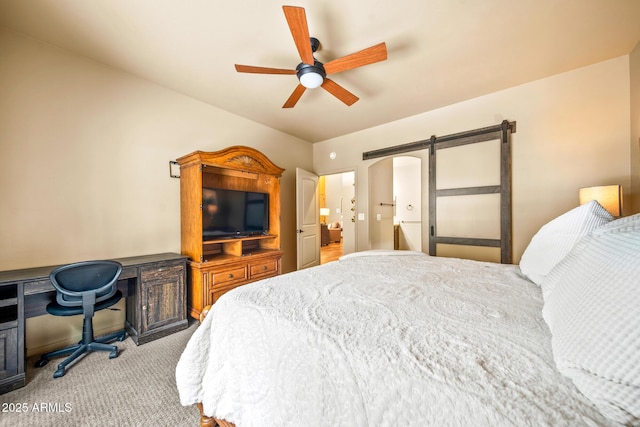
(229, 276)
(264, 268)
(163, 273)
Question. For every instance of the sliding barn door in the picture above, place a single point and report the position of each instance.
(469, 191)
(470, 195)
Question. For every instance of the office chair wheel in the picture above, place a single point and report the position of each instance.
(40, 363)
(59, 373)
(113, 354)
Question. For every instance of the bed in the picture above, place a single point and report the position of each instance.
(385, 338)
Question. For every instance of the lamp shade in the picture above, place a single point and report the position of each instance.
(325, 211)
(609, 196)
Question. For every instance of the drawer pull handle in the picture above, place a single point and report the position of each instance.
(264, 267)
(230, 276)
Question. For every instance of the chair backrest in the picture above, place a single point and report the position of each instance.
(88, 281)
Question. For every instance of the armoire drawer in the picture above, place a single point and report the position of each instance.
(229, 276)
(267, 267)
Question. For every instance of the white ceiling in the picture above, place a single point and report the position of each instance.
(439, 51)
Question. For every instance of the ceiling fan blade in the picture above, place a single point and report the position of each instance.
(339, 92)
(295, 96)
(262, 70)
(297, 20)
(366, 56)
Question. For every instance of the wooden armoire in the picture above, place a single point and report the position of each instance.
(218, 265)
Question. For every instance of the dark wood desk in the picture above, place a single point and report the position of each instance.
(154, 286)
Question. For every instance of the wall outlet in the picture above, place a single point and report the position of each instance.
(360, 217)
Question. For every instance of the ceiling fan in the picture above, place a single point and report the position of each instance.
(312, 73)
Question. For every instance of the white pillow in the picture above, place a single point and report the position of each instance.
(555, 239)
(594, 317)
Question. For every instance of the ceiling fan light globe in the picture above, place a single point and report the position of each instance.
(311, 76)
(311, 80)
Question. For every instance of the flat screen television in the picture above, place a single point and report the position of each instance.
(227, 213)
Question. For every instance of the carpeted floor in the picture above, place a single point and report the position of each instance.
(138, 388)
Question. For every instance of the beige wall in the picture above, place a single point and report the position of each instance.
(573, 130)
(85, 151)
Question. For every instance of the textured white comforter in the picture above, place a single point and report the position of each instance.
(382, 340)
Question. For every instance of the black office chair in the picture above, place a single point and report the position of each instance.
(83, 288)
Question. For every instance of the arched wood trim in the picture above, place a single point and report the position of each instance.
(237, 157)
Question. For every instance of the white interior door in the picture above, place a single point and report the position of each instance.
(307, 219)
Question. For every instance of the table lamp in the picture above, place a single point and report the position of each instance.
(609, 196)
(324, 212)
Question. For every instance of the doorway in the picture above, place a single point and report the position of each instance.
(336, 194)
(395, 203)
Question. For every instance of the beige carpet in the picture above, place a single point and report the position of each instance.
(138, 388)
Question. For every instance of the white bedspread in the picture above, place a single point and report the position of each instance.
(380, 340)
